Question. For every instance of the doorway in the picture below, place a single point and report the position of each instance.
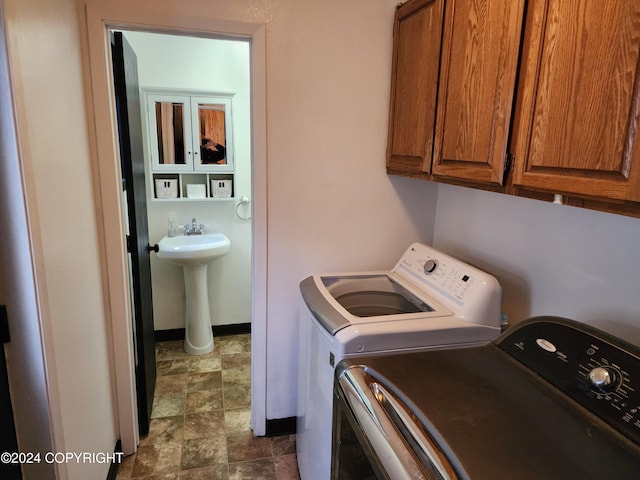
(181, 67)
(105, 153)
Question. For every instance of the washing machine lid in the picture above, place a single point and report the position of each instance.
(338, 301)
(373, 295)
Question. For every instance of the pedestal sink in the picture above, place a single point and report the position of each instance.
(193, 253)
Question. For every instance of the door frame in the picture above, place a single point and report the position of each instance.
(96, 19)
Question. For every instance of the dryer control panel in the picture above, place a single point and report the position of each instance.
(468, 291)
(595, 369)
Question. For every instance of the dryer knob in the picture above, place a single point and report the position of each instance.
(603, 379)
(430, 266)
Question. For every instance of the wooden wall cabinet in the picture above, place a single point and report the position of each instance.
(452, 88)
(575, 132)
(414, 86)
(555, 87)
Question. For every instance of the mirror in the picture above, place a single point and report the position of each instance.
(212, 134)
(170, 133)
(189, 132)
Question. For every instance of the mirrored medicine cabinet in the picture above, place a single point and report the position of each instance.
(190, 133)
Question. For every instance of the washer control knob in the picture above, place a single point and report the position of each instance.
(603, 379)
(430, 266)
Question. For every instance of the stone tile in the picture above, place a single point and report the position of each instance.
(283, 445)
(236, 360)
(204, 401)
(258, 469)
(126, 467)
(237, 377)
(161, 458)
(237, 420)
(203, 425)
(168, 405)
(171, 383)
(165, 430)
(204, 452)
(286, 467)
(171, 351)
(217, 472)
(243, 446)
(204, 381)
(172, 367)
(237, 397)
(205, 364)
(165, 476)
(235, 344)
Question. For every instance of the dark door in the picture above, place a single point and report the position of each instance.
(125, 73)
(9, 467)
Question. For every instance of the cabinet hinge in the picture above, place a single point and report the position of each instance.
(508, 162)
(4, 325)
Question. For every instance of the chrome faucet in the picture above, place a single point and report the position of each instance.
(194, 228)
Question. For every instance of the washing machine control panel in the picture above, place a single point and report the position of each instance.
(446, 277)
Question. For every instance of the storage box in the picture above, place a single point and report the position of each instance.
(197, 190)
(221, 188)
(166, 188)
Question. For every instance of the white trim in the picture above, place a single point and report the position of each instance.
(99, 17)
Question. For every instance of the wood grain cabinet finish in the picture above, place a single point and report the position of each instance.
(414, 85)
(576, 127)
(452, 88)
(570, 122)
(477, 87)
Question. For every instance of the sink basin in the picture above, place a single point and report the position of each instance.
(193, 250)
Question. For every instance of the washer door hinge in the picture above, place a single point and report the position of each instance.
(4, 325)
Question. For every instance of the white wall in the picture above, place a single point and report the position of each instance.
(219, 66)
(550, 259)
(46, 67)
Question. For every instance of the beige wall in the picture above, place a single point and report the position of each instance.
(45, 61)
(330, 204)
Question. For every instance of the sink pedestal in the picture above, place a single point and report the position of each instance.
(193, 253)
(198, 338)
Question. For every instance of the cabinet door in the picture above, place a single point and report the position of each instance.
(414, 85)
(580, 99)
(212, 132)
(169, 133)
(481, 44)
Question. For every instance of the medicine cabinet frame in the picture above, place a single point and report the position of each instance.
(187, 132)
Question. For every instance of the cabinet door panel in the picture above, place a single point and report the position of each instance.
(580, 99)
(414, 83)
(169, 137)
(477, 87)
(212, 132)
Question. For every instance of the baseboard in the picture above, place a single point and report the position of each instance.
(280, 426)
(115, 464)
(231, 329)
(218, 331)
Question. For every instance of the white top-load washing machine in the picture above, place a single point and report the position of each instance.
(428, 300)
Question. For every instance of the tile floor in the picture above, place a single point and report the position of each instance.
(201, 421)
